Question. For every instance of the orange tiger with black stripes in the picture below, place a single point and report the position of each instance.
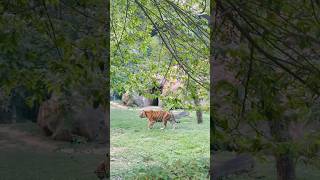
(160, 115)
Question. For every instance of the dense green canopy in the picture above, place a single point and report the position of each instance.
(152, 40)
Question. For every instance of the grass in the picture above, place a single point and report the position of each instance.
(20, 160)
(139, 153)
(32, 165)
(266, 170)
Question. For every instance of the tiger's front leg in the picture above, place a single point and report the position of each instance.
(173, 124)
(164, 124)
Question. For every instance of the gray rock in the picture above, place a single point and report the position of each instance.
(240, 164)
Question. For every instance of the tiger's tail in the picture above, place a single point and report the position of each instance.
(173, 118)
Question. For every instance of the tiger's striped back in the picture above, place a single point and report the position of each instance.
(158, 116)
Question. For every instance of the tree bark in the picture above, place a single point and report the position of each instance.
(285, 167)
(284, 160)
(198, 109)
(199, 116)
(14, 114)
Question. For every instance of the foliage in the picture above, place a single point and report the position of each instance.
(153, 42)
(53, 46)
(272, 52)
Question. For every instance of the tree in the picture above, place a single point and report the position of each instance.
(54, 46)
(151, 39)
(272, 55)
(197, 104)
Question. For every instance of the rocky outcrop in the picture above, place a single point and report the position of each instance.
(62, 135)
(182, 114)
(134, 100)
(90, 123)
(49, 116)
(63, 118)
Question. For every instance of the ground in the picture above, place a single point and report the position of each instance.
(264, 169)
(137, 152)
(27, 155)
(140, 153)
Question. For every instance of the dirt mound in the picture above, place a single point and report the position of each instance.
(117, 106)
(11, 137)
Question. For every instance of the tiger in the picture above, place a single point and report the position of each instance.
(154, 116)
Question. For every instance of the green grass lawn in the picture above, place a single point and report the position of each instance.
(139, 153)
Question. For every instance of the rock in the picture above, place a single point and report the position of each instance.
(179, 115)
(62, 135)
(90, 123)
(171, 86)
(62, 117)
(134, 100)
(49, 116)
(240, 164)
(126, 99)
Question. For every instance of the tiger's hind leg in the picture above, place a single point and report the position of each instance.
(150, 124)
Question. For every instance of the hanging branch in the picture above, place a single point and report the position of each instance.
(52, 30)
(168, 46)
(243, 108)
(124, 26)
(272, 58)
(271, 44)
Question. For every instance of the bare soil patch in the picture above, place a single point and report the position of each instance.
(12, 136)
(117, 105)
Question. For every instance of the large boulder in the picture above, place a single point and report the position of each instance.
(49, 116)
(62, 134)
(90, 123)
(63, 118)
(134, 100)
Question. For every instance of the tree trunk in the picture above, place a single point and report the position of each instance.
(285, 167)
(199, 116)
(198, 109)
(284, 160)
(14, 114)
